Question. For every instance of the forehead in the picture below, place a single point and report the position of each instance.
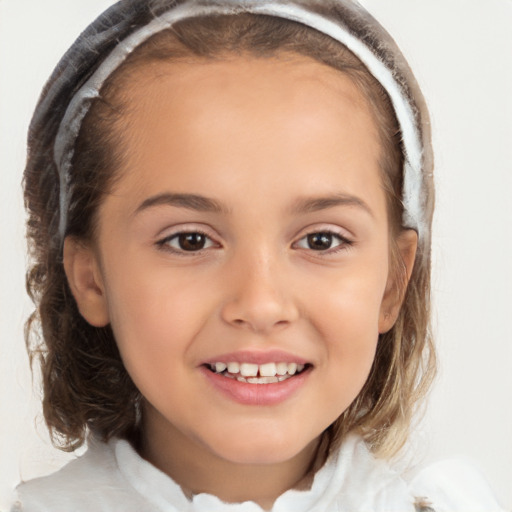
(286, 121)
(207, 93)
(245, 76)
(247, 65)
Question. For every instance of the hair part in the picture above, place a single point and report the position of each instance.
(86, 387)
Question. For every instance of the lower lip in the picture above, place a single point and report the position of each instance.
(256, 394)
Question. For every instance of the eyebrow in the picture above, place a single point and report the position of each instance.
(315, 204)
(189, 201)
(205, 204)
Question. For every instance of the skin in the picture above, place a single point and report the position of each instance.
(260, 137)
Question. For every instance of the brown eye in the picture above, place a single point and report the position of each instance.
(323, 241)
(320, 241)
(191, 241)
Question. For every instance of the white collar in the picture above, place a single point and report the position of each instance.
(352, 480)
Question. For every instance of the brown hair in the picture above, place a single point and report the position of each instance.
(86, 386)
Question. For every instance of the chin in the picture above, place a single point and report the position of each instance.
(262, 447)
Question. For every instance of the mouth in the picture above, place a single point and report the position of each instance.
(252, 373)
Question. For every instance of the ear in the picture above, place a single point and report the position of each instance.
(398, 279)
(85, 281)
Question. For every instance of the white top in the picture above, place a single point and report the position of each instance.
(113, 477)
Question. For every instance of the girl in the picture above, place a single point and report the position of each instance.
(230, 207)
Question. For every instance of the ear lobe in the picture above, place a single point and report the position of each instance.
(85, 281)
(406, 246)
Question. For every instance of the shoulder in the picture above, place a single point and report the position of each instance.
(454, 485)
(91, 482)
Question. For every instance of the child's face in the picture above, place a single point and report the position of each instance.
(271, 167)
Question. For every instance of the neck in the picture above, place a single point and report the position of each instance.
(198, 469)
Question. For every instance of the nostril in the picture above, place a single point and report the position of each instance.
(259, 326)
(259, 312)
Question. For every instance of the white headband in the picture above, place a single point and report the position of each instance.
(414, 216)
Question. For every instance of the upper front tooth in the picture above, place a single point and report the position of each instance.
(268, 370)
(264, 370)
(220, 367)
(249, 370)
(233, 367)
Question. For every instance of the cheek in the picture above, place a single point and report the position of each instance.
(155, 320)
(347, 307)
(347, 317)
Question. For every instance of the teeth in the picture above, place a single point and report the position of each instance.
(248, 369)
(262, 380)
(281, 368)
(220, 367)
(233, 368)
(292, 368)
(268, 370)
(257, 374)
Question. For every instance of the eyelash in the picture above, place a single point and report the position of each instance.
(164, 244)
(344, 242)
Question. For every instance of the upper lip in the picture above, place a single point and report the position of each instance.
(257, 357)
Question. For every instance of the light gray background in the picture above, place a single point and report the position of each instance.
(461, 51)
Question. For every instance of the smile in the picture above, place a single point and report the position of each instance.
(251, 373)
(257, 378)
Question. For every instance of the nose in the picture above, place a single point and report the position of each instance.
(258, 298)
